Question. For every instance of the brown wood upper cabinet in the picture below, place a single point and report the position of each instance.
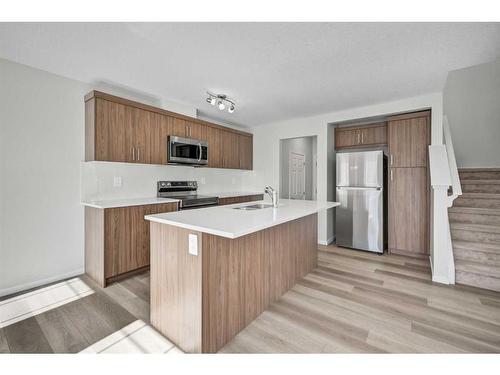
(409, 137)
(356, 136)
(122, 130)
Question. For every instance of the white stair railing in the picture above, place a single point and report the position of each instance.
(444, 174)
(452, 163)
(442, 262)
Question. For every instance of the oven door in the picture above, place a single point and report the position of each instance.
(187, 151)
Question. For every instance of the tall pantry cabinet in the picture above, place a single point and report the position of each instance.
(408, 217)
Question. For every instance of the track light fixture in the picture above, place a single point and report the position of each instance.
(222, 102)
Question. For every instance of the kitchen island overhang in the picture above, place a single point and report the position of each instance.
(214, 270)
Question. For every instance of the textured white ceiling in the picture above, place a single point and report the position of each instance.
(275, 71)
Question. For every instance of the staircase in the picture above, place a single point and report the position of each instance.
(475, 229)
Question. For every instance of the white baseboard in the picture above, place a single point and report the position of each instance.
(327, 242)
(34, 284)
(441, 279)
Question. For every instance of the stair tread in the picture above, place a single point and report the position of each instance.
(480, 182)
(481, 195)
(476, 246)
(477, 268)
(476, 227)
(475, 210)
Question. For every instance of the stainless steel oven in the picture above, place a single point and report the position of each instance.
(187, 151)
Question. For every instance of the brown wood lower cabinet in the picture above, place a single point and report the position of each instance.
(409, 211)
(242, 199)
(117, 240)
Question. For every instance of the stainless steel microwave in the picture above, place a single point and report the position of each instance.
(187, 151)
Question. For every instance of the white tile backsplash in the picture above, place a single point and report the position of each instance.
(139, 180)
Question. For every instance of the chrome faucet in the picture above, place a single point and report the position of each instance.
(273, 194)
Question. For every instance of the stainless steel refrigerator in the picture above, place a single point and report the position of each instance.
(360, 191)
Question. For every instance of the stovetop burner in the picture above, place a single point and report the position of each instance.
(185, 191)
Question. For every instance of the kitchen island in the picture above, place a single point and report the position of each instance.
(214, 270)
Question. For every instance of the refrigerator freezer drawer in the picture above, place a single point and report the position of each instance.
(359, 219)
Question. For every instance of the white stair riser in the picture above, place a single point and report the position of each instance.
(460, 217)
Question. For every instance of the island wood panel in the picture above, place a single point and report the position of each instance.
(94, 244)
(176, 286)
(241, 199)
(243, 276)
(409, 211)
(409, 137)
(201, 302)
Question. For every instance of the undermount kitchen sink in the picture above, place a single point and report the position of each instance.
(251, 207)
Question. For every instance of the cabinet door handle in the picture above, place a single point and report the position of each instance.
(362, 137)
(391, 175)
(133, 153)
(138, 154)
(391, 160)
(358, 138)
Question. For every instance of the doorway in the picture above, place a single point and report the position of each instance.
(298, 168)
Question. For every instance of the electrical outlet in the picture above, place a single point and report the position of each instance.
(193, 244)
(117, 182)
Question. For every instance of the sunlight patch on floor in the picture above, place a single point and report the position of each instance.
(137, 337)
(26, 305)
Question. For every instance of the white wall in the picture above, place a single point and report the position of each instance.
(43, 176)
(471, 101)
(267, 139)
(42, 135)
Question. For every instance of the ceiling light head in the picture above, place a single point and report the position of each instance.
(222, 101)
(221, 105)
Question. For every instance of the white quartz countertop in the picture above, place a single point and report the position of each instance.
(112, 203)
(225, 221)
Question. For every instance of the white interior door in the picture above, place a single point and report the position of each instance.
(297, 173)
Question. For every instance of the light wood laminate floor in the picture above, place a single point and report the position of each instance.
(354, 302)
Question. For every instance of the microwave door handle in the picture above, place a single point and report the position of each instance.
(200, 149)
